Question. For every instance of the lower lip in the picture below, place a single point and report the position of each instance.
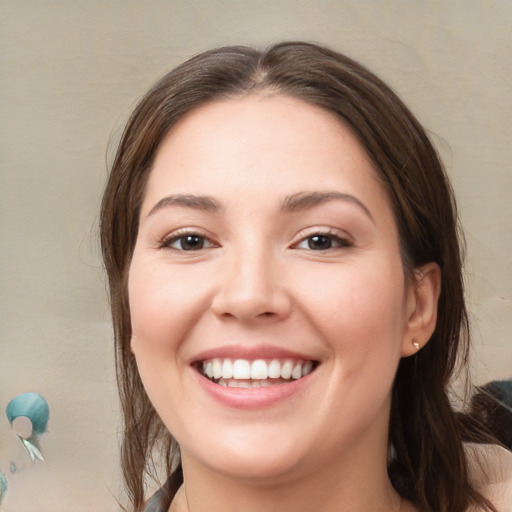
(253, 398)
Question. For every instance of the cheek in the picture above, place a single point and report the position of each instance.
(359, 313)
(162, 307)
(162, 313)
(358, 306)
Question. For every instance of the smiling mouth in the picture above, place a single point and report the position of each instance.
(245, 373)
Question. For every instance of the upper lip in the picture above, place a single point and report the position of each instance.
(250, 353)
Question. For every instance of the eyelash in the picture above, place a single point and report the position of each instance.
(168, 243)
(333, 238)
(334, 241)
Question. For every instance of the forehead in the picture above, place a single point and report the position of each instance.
(261, 145)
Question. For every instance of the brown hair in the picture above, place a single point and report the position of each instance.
(428, 466)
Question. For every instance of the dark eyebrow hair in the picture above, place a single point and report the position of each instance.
(305, 200)
(293, 203)
(205, 203)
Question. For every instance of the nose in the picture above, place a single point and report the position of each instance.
(252, 289)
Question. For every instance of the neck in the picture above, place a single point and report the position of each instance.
(347, 487)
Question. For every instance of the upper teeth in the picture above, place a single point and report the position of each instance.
(258, 369)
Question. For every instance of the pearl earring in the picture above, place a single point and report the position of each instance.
(415, 344)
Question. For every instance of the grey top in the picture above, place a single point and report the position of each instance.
(160, 501)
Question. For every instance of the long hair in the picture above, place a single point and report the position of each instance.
(428, 466)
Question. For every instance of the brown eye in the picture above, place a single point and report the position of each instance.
(319, 242)
(188, 242)
(191, 243)
(322, 242)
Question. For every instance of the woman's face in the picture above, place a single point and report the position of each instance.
(268, 257)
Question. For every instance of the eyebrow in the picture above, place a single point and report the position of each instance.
(306, 200)
(296, 202)
(205, 203)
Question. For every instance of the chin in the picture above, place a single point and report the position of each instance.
(256, 470)
(256, 458)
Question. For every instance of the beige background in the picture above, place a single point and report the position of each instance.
(71, 71)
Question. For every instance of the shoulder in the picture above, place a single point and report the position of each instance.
(490, 473)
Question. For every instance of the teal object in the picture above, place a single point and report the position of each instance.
(3, 486)
(34, 407)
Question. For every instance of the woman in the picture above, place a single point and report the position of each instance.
(285, 273)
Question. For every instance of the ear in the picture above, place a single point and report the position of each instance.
(421, 308)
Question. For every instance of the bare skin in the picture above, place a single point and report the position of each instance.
(263, 233)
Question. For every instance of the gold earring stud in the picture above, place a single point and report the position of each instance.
(415, 344)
